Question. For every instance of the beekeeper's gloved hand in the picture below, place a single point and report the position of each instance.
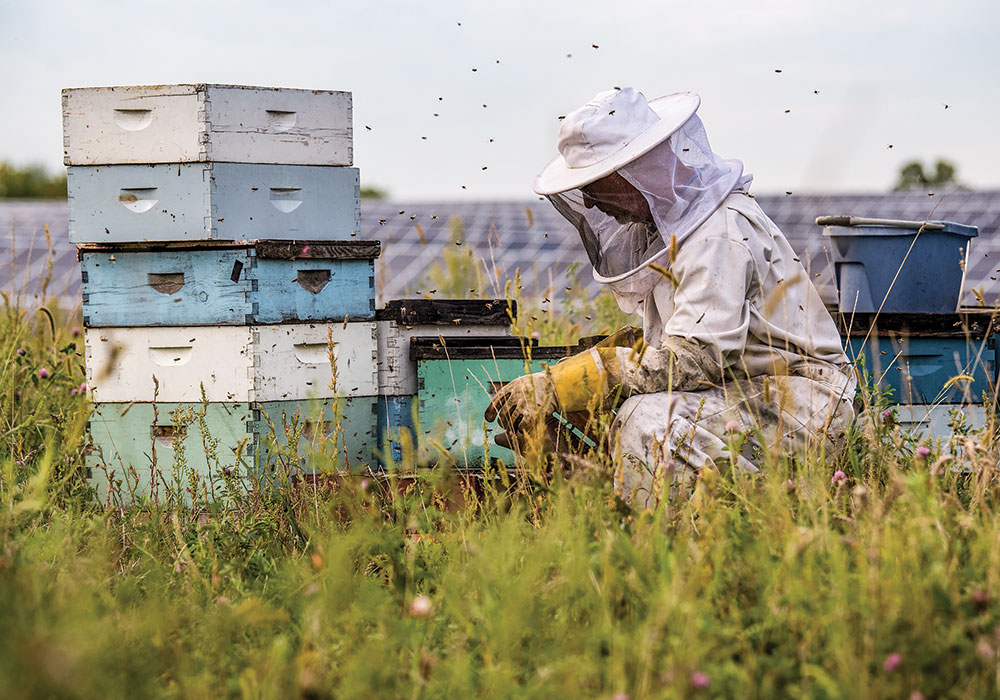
(567, 386)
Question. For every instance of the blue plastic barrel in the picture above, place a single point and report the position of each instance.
(898, 266)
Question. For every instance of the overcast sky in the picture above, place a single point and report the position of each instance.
(856, 76)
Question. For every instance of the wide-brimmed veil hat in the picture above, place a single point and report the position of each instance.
(610, 131)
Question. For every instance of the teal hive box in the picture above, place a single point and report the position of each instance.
(916, 356)
(455, 378)
(210, 284)
(898, 266)
(147, 448)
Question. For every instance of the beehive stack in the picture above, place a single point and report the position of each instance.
(214, 225)
(403, 320)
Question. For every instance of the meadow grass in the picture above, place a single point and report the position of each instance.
(797, 582)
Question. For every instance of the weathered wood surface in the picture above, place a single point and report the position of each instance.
(475, 348)
(184, 123)
(220, 201)
(444, 312)
(166, 288)
(312, 289)
(327, 250)
(394, 415)
(292, 361)
(957, 325)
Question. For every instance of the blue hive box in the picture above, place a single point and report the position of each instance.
(917, 356)
(898, 266)
(211, 284)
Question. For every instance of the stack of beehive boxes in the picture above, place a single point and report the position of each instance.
(222, 279)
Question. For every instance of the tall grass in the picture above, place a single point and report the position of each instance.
(797, 582)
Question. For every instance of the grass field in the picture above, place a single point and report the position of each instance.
(880, 581)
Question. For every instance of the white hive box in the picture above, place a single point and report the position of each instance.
(233, 363)
(198, 123)
(292, 361)
(212, 201)
(122, 362)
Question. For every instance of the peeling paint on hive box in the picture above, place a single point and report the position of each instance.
(184, 123)
(212, 201)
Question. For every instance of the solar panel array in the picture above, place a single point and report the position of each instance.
(502, 237)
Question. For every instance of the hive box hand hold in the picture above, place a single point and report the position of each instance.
(200, 123)
(171, 284)
(212, 201)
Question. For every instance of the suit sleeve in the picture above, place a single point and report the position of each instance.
(707, 331)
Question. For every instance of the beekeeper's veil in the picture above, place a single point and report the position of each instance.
(658, 147)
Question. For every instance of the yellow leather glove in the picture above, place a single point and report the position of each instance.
(568, 386)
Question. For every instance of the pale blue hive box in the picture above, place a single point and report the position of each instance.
(212, 201)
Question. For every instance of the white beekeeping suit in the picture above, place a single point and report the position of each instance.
(736, 336)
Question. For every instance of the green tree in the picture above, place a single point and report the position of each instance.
(913, 176)
(30, 182)
(370, 192)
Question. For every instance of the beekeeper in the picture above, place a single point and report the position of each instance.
(735, 340)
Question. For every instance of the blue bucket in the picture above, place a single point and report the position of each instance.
(868, 257)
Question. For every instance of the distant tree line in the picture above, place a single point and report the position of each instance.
(30, 182)
(913, 176)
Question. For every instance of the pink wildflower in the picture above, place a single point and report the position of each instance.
(887, 417)
(700, 680)
(75, 331)
(838, 476)
(20, 352)
(732, 427)
(923, 451)
(421, 606)
(83, 388)
(364, 484)
(44, 373)
(892, 662)
(620, 696)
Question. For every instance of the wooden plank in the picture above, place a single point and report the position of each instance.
(957, 325)
(292, 361)
(134, 444)
(223, 201)
(327, 434)
(197, 123)
(462, 348)
(170, 364)
(444, 312)
(327, 250)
